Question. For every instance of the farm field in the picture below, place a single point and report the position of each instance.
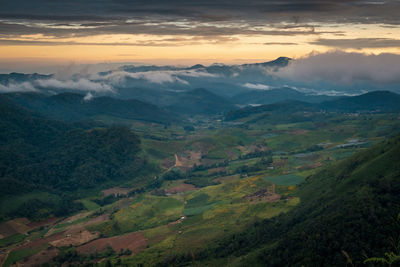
(211, 183)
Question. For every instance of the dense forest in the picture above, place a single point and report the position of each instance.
(38, 154)
(75, 107)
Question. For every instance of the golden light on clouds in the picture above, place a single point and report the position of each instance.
(191, 49)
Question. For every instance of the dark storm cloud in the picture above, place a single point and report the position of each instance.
(184, 8)
(358, 43)
(158, 16)
(206, 9)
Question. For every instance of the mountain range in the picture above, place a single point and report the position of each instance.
(256, 83)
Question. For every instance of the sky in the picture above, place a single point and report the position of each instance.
(41, 34)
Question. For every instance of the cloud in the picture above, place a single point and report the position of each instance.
(84, 78)
(213, 21)
(344, 68)
(257, 86)
(195, 32)
(95, 13)
(319, 91)
(73, 72)
(196, 73)
(17, 87)
(79, 85)
(88, 96)
(280, 43)
(358, 43)
(158, 77)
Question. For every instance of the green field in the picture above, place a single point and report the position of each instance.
(11, 240)
(15, 256)
(89, 205)
(288, 179)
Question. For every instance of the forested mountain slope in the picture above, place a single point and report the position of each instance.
(75, 107)
(42, 155)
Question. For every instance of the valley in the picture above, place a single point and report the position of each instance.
(207, 182)
(245, 133)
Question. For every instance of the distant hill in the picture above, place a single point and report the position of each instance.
(265, 97)
(15, 77)
(158, 97)
(351, 207)
(277, 63)
(379, 101)
(161, 85)
(221, 79)
(73, 107)
(200, 101)
(282, 108)
(41, 157)
(214, 68)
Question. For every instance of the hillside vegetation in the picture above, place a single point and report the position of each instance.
(74, 107)
(291, 109)
(42, 155)
(288, 184)
(348, 208)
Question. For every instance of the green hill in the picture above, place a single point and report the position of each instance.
(286, 107)
(350, 207)
(200, 101)
(282, 112)
(275, 95)
(377, 101)
(74, 107)
(62, 159)
(292, 110)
